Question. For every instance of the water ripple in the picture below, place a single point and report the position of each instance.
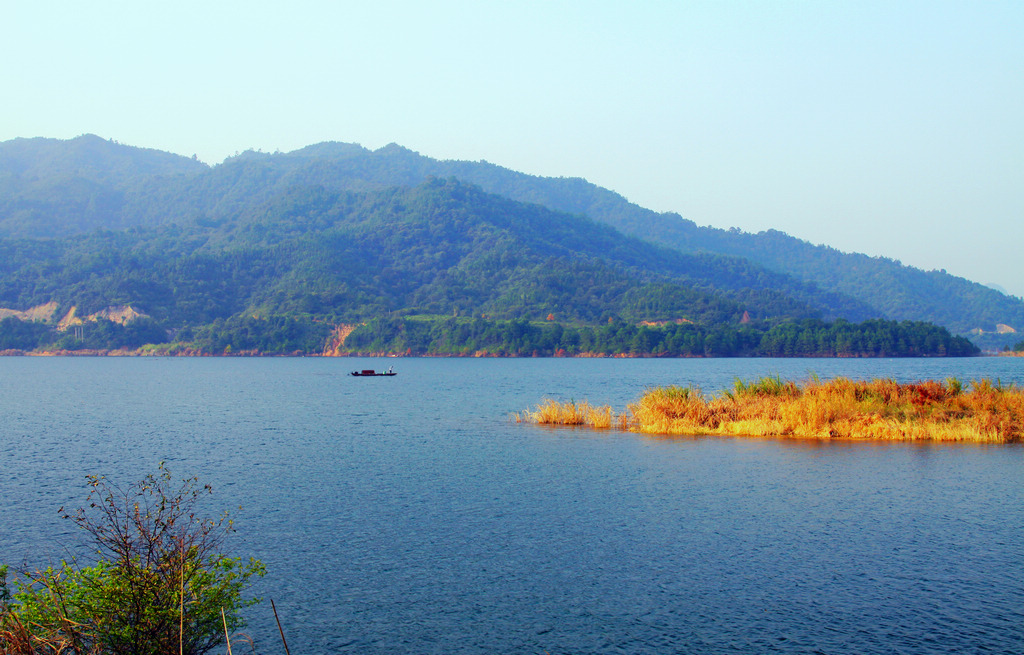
(412, 516)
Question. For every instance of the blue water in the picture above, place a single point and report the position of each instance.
(410, 515)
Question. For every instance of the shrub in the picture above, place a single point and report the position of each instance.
(159, 584)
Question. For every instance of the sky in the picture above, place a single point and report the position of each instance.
(891, 128)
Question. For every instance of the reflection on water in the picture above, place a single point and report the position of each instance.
(409, 514)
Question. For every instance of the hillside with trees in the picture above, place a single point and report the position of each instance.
(885, 287)
(57, 188)
(890, 288)
(807, 338)
(269, 252)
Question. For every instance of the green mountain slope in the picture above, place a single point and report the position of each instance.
(893, 290)
(440, 248)
(234, 192)
(61, 188)
(279, 276)
(880, 286)
(58, 188)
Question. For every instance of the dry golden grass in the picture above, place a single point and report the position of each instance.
(552, 412)
(837, 409)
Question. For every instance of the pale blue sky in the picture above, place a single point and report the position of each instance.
(889, 128)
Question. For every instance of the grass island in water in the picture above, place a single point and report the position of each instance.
(837, 409)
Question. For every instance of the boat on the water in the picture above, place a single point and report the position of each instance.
(369, 373)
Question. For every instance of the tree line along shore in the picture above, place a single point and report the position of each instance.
(479, 336)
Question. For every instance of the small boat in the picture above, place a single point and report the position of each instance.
(369, 372)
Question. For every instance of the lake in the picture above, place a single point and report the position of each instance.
(411, 515)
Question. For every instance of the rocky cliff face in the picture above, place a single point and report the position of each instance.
(121, 314)
(43, 313)
(336, 342)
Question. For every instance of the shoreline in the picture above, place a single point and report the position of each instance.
(194, 352)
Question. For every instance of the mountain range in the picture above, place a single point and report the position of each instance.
(338, 233)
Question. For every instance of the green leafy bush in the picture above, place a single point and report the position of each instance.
(159, 583)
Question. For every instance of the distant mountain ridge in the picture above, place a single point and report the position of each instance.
(411, 266)
(113, 186)
(90, 157)
(56, 188)
(894, 290)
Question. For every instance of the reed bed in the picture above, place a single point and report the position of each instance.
(552, 412)
(837, 409)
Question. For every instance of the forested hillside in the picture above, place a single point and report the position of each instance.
(440, 248)
(891, 289)
(57, 188)
(270, 252)
(882, 287)
(77, 185)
